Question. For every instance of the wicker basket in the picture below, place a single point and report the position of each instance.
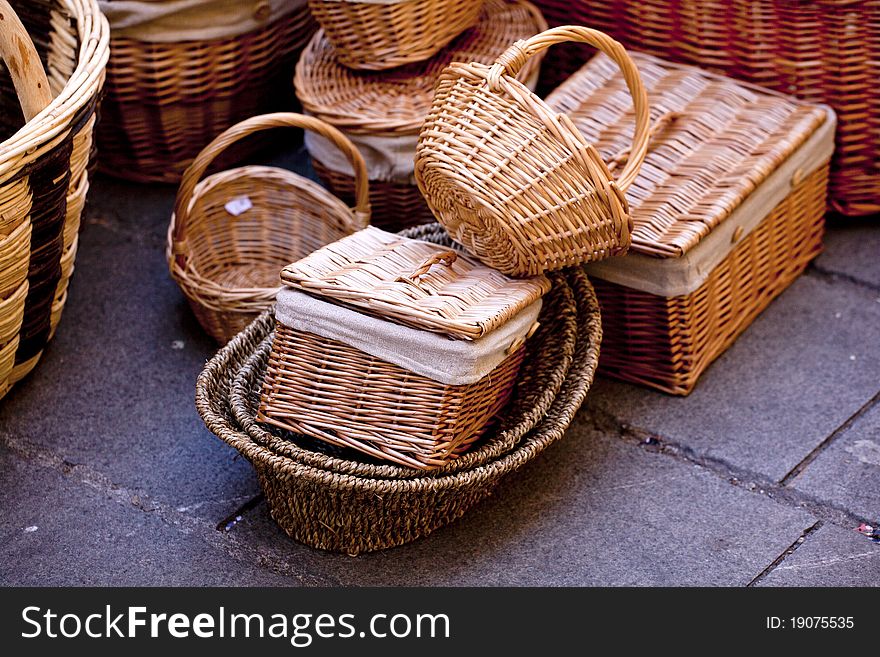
(353, 509)
(166, 99)
(728, 212)
(364, 359)
(383, 112)
(823, 51)
(46, 129)
(233, 233)
(376, 35)
(512, 181)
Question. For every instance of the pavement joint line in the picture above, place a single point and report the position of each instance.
(188, 525)
(831, 276)
(115, 225)
(825, 444)
(791, 549)
(739, 477)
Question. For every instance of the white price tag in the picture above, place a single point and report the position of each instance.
(238, 205)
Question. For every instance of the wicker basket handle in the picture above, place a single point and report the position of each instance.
(446, 257)
(196, 170)
(24, 63)
(513, 59)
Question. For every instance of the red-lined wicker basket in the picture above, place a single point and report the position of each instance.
(382, 112)
(46, 126)
(382, 34)
(823, 51)
(171, 90)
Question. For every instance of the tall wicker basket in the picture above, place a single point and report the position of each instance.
(46, 129)
(168, 95)
(823, 51)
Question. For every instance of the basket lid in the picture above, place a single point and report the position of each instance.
(396, 101)
(414, 283)
(715, 141)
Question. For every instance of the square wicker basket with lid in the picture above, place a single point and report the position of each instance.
(728, 210)
(400, 348)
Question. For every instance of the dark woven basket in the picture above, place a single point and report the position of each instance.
(334, 502)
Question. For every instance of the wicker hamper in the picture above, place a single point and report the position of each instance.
(823, 51)
(382, 112)
(182, 71)
(728, 211)
(380, 34)
(46, 124)
(363, 358)
(231, 234)
(355, 506)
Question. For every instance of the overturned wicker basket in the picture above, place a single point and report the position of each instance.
(338, 503)
(232, 233)
(381, 34)
(513, 181)
(44, 164)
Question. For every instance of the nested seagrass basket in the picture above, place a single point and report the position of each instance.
(823, 51)
(396, 347)
(182, 72)
(232, 233)
(513, 181)
(346, 503)
(382, 34)
(728, 211)
(383, 112)
(46, 123)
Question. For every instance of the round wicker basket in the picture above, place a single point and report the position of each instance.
(383, 112)
(515, 182)
(380, 35)
(226, 259)
(329, 501)
(46, 126)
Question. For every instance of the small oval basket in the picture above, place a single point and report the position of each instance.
(382, 34)
(231, 234)
(513, 181)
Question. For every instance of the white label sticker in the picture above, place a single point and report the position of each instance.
(238, 205)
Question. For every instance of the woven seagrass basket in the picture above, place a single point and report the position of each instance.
(167, 97)
(46, 125)
(728, 212)
(513, 181)
(823, 51)
(355, 506)
(231, 234)
(382, 34)
(364, 359)
(383, 112)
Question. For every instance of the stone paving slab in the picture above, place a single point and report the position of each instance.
(847, 473)
(54, 531)
(808, 363)
(852, 248)
(592, 510)
(832, 556)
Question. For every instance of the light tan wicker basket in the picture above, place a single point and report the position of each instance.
(382, 34)
(515, 183)
(374, 374)
(383, 112)
(232, 233)
(46, 125)
(728, 211)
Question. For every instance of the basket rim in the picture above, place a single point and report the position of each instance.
(38, 134)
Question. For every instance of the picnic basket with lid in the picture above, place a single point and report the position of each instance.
(823, 51)
(396, 347)
(182, 71)
(382, 34)
(383, 112)
(232, 233)
(514, 182)
(728, 211)
(46, 121)
(345, 502)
